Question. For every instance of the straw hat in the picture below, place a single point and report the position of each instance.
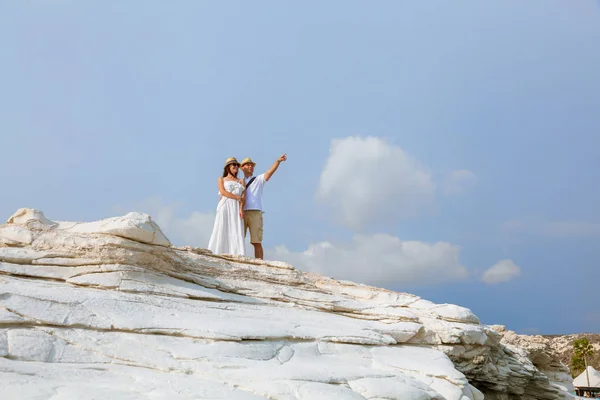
(247, 160)
(231, 160)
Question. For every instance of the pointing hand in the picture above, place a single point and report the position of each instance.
(282, 158)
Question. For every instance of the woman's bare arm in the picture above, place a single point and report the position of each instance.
(243, 199)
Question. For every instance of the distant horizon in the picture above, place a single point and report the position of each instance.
(445, 150)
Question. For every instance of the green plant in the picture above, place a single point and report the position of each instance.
(582, 348)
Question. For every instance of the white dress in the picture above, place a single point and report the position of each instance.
(228, 231)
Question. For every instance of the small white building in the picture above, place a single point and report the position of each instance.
(587, 383)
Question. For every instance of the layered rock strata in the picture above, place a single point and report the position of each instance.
(112, 308)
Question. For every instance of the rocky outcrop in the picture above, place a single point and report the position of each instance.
(561, 347)
(539, 352)
(111, 308)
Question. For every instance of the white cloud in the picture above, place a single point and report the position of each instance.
(502, 271)
(191, 230)
(553, 229)
(368, 179)
(458, 182)
(380, 260)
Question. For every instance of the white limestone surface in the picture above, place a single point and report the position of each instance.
(111, 309)
(135, 226)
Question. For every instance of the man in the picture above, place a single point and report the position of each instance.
(253, 204)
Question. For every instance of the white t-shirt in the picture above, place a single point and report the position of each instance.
(254, 193)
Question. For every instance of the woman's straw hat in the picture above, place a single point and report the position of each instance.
(231, 160)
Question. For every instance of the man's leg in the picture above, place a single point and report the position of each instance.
(258, 250)
(255, 223)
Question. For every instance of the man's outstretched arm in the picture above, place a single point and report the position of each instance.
(274, 167)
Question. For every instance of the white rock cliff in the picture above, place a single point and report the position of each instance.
(110, 309)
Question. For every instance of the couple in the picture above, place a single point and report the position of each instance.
(240, 208)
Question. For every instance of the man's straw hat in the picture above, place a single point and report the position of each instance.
(231, 160)
(247, 160)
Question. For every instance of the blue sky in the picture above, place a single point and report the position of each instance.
(427, 141)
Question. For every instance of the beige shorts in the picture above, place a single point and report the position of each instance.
(253, 219)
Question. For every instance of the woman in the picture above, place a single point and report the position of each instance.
(228, 231)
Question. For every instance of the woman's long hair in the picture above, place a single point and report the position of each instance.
(227, 171)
